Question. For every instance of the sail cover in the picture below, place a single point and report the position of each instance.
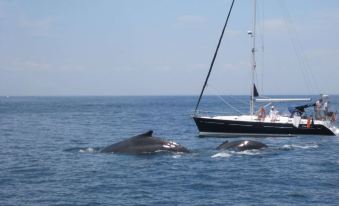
(299, 109)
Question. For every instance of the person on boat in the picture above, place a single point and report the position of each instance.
(324, 109)
(273, 114)
(329, 115)
(317, 108)
(333, 116)
(261, 114)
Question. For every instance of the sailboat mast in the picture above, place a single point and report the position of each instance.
(253, 34)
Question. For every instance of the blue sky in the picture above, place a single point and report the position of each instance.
(150, 47)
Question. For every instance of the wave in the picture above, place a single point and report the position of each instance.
(247, 152)
(221, 154)
(293, 146)
(239, 153)
(88, 150)
(83, 149)
(176, 156)
(337, 132)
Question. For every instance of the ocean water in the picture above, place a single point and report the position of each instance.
(47, 156)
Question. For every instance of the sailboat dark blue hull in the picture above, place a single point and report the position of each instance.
(217, 127)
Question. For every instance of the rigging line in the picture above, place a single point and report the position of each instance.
(306, 62)
(304, 58)
(296, 47)
(215, 55)
(306, 69)
(223, 100)
(239, 102)
(266, 105)
(245, 103)
(296, 51)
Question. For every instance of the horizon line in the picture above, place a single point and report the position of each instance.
(154, 95)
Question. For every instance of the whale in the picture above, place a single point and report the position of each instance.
(241, 145)
(144, 143)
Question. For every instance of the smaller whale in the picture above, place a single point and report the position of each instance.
(144, 144)
(241, 145)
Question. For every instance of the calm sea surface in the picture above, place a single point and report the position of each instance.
(47, 157)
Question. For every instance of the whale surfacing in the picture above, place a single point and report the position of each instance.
(144, 144)
(241, 145)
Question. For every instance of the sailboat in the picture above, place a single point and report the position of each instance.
(258, 123)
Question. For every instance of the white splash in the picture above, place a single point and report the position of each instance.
(221, 154)
(305, 146)
(237, 153)
(247, 152)
(89, 149)
(176, 156)
(291, 146)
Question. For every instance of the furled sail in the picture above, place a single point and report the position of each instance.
(255, 91)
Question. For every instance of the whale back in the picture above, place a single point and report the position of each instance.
(143, 143)
(242, 145)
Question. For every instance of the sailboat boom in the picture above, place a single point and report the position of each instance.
(284, 100)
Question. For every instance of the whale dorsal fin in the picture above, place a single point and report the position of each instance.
(224, 143)
(147, 134)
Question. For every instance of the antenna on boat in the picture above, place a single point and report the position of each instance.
(252, 34)
(215, 55)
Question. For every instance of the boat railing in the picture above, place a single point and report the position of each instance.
(200, 113)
